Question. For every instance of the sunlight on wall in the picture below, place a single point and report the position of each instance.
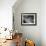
(43, 22)
(6, 13)
(6, 18)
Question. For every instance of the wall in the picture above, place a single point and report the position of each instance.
(6, 16)
(43, 22)
(6, 13)
(29, 32)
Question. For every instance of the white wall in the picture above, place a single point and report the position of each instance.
(43, 22)
(30, 32)
(6, 13)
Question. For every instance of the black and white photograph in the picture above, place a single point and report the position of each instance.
(28, 18)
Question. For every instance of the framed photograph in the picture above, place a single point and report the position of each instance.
(28, 18)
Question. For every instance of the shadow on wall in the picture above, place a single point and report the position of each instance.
(27, 6)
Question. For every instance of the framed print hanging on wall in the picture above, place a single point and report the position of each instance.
(28, 18)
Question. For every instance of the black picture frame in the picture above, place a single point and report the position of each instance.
(29, 19)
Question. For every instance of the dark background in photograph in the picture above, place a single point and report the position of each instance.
(28, 19)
